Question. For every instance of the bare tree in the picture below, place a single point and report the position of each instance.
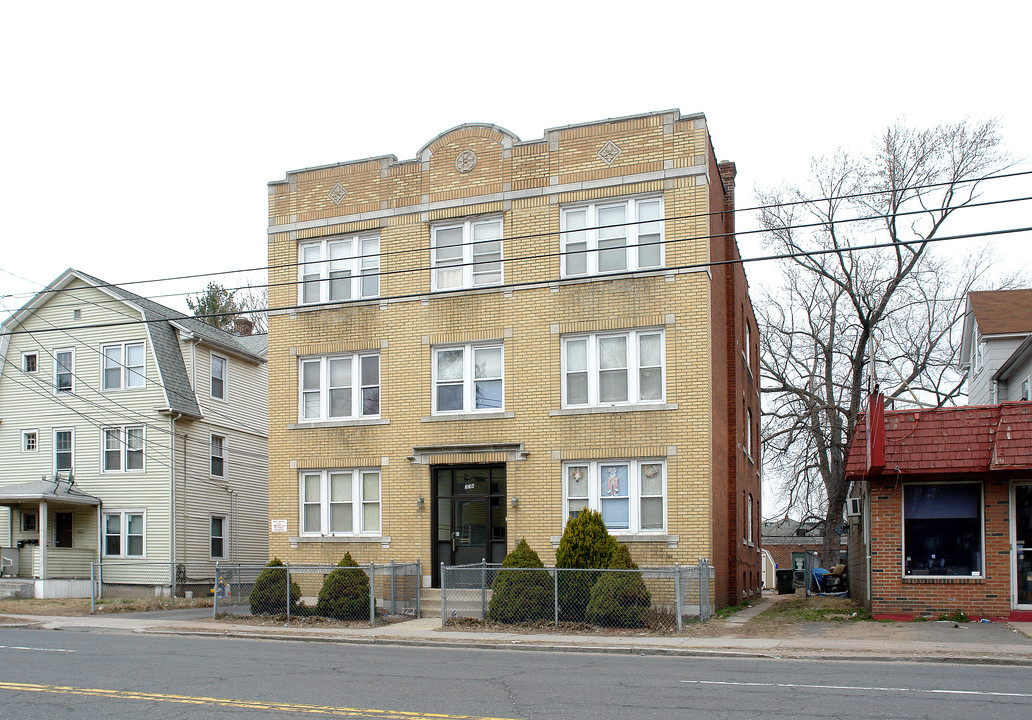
(253, 303)
(839, 306)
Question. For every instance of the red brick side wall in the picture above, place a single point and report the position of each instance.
(892, 594)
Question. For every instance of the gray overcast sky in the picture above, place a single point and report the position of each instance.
(138, 138)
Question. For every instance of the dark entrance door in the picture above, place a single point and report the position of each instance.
(469, 515)
(1023, 546)
(63, 528)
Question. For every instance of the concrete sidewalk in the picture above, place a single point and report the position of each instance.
(999, 643)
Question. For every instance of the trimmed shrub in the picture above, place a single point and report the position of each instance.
(345, 592)
(619, 599)
(269, 594)
(521, 595)
(586, 543)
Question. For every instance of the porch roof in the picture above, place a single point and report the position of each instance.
(61, 491)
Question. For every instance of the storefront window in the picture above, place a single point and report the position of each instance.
(942, 529)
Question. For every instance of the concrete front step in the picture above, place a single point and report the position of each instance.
(464, 602)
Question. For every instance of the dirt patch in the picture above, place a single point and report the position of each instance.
(77, 607)
(305, 621)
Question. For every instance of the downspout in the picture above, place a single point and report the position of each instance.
(172, 475)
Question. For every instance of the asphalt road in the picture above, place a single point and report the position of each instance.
(48, 674)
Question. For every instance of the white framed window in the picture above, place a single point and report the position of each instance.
(218, 456)
(1024, 388)
(468, 378)
(123, 448)
(30, 440)
(124, 533)
(338, 387)
(748, 432)
(30, 362)
(340, 502)
(218, 537)
(219, 371)
(630, 494)
(64, 370)
(748, 519)
(29, 522)
(613, 368)
(339, 269)
(64, 450)
(467, 254)
(122, 366)
(612, 236)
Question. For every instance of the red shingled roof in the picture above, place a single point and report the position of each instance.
(1002, 311)
(973, 438)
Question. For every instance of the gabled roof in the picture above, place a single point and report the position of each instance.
(969, 439)
(161, 327)
(1002, 312)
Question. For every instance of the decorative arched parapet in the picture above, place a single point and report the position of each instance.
(467, 160)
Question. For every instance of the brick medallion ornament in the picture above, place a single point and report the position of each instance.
(609, 152)
(465, 161)
(338, 193)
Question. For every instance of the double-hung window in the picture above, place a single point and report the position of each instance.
(218, 537)
(123, 366)
(340, 269)
(606, 237)
(613, 368)
(340, 502)
(63, 450)
(630, 494)
(124, 534)
(468, 378)
(218, 376)
(467, 254)
(218, 456)
(123, 448)
(340, 387)
(64, 371)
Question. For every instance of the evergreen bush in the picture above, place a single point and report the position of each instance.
(269, 594)
(523, 595)
(586, 543)
(345, 592)
(619, 599)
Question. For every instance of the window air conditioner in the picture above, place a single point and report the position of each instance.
(854, 506)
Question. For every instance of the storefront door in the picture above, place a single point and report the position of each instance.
(1021, 549)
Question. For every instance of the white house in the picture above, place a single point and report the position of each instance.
(130, 435)
(996, 348)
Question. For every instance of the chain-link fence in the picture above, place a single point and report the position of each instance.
(660, 598)
(167, 584)
(363, 593)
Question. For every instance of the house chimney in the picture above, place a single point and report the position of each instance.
(242, 326)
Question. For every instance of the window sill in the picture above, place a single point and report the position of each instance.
(670, 540)
(338, 423)
(383, 540)
(468, 416)
(943, 580)
(598, 409)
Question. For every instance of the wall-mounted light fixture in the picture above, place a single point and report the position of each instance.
(419, 503)
(515, 501)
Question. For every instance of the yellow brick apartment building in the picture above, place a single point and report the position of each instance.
(468, 347)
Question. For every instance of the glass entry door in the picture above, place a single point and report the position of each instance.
(469, 515)
(1022, 549)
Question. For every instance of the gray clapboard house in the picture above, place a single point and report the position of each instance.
(996, 347)
(131, 435)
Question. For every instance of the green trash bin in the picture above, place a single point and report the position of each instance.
(785, 581)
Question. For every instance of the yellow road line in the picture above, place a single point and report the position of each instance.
(238, 704)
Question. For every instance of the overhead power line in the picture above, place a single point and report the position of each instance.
(805, 201)
(542, 256)
(556, 281)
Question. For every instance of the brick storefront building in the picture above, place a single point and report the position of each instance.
(498, 333)
(946, 511)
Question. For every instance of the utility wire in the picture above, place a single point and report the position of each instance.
(541, 256)
(805, 201)
(561, 281)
